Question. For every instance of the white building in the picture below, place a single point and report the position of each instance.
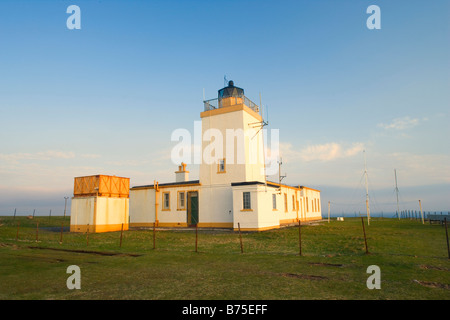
(232, 186)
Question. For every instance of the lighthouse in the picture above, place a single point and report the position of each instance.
(231, 189)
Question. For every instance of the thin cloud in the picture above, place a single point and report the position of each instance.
(401, 123)
(321, 152)
(90, 156)
(45, 155)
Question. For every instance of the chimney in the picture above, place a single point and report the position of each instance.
(182, 175)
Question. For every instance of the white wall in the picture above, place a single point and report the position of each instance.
(82, 211)
(311, 204)
(216, 204)
(142, 206)
(246, 164)
(112, 211)
(100, 213)
(261, 216)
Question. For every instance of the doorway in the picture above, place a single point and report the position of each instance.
(192, 208)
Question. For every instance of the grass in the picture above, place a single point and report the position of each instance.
(412, 258)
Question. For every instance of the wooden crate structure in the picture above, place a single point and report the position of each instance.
(102, 186)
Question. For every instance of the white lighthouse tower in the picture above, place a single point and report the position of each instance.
(232, 145)
(232, 151)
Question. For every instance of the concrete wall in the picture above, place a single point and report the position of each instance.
(82, 213)
(215, 204)
(142, 207)
(99, 214)
(260, 216)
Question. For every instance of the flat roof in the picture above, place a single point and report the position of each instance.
(169, 184)
(233, 184)
(270, 184)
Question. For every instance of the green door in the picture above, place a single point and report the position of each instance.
(192, 198)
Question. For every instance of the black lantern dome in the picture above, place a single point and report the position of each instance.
(231, 91)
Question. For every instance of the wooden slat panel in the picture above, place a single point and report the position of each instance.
(110, 186)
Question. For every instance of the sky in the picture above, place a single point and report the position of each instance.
(105, 99)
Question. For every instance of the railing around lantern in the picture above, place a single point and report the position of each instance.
(212, 104)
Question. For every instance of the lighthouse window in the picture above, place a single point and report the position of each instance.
(247, 202)
(221, 166)
(285, 203)
(274, 201)
(181, 201)
(166, 201)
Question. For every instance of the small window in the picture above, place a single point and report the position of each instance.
(293, 203)
(166, 201)
(181, 200)
(274, 201)
(285, 203)
(247, 202)
(221, 166)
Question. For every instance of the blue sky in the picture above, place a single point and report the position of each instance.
(105, 99)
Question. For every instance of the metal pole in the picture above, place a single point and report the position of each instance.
(396, 190)
(65, 205)
(15, 213)
(37, 231)
(328, 211)
(367, 190)
(364, 231)
(34, 212)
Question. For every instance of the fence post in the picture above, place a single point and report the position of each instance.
(300, 237)
(446, 234)
(196, 237)
(37, 231)
(60, 237)
(154, 235)
(87, 236)
(121, 233)
(17, 234)
(240, 238)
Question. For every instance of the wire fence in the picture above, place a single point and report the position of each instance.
(54, 233)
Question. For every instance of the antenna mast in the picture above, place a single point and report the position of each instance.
(367, 190)
(396, 190)
(280, 177)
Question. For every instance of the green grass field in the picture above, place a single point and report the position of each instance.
(412, 258)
